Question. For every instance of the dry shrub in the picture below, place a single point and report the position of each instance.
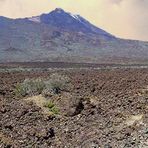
(54, 84)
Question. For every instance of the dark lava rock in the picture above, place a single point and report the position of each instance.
(76, 107)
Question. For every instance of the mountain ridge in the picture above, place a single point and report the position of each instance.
(59, 14)
(62, 36)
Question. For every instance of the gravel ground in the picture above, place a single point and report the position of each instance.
(102, 109)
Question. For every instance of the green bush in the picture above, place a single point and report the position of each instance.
(52, 108)
(55, 110)
(49, 104)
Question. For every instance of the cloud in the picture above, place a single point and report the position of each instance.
(126, 18)
(22, 8)
(123, 18)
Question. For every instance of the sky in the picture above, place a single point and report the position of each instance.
(123, 18)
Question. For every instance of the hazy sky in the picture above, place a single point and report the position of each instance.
(123, 18)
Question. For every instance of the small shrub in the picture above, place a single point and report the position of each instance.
(49, 104)
(57, 82)
(55, 110)
(30, 87)
(21, 90)
(52, 108)
(38, 85)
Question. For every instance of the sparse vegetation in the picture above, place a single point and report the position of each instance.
(32, 87)
(57, 82)
(52, 108)
(49, 104)
(48, 107)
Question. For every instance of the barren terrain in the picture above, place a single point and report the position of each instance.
(106, 108)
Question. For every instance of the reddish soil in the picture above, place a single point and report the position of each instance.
(108, 100)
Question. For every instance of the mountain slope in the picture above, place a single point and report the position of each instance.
(71, 22)
(62, 36)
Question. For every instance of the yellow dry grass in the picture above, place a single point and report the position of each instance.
(134, 119)
(5, 139)
(40, 101)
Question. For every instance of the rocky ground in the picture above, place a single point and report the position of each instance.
(101, 109)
